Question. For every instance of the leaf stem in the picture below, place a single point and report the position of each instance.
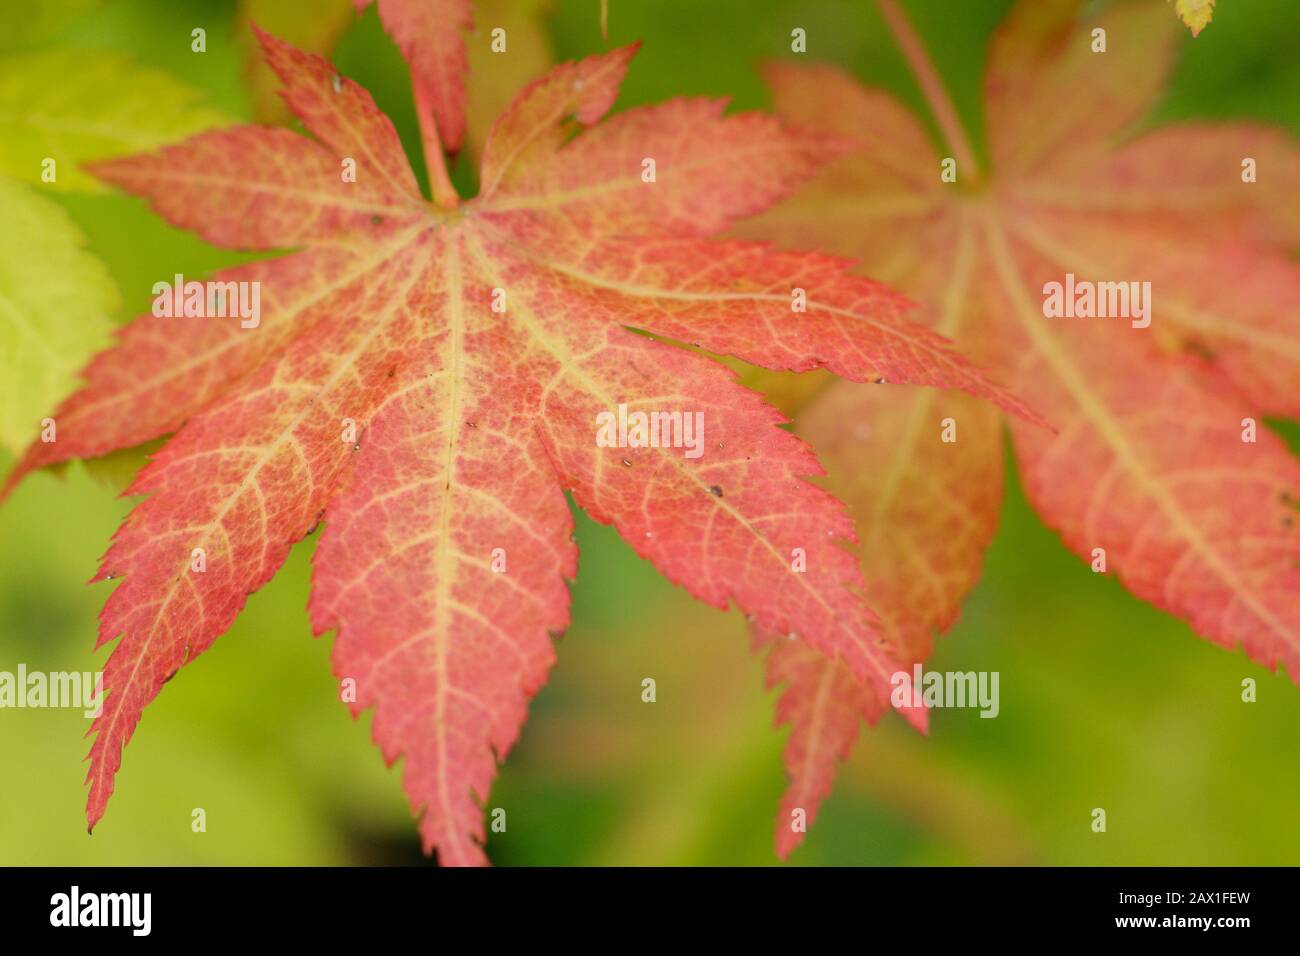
(444, 193)
(936, 96)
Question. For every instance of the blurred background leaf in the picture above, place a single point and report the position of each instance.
(55, 300)
(75, 107)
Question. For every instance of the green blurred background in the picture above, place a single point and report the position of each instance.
(1105, 701)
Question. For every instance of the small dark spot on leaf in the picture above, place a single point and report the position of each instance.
(715, 490)
(376, 220)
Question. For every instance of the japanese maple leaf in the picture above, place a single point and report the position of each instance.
(474, 346)
(1154, 473)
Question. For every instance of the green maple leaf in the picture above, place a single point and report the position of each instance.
(57, 299)
(76, 107)
(55, 302)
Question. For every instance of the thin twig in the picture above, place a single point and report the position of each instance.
(932, 87)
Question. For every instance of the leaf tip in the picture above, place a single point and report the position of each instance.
(787, 840)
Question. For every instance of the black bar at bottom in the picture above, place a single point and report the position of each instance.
(336, 906)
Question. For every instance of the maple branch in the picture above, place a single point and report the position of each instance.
(936, 96)
(444, 193)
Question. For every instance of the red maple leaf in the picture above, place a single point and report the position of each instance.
(1161, 470)
(430, 34)
(428, 378)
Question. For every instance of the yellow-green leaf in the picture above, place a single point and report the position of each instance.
(76, 107)
(1195, 13)
(55, 302)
